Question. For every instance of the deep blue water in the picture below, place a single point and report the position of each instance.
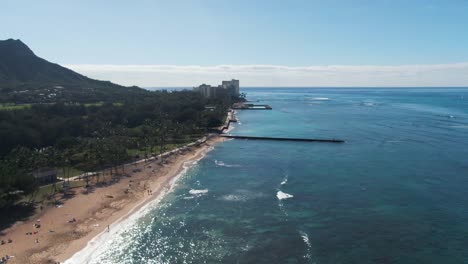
(395, 192)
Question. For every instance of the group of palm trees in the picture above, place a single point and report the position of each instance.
(108, 149)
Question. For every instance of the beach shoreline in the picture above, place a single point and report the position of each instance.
(66, 230)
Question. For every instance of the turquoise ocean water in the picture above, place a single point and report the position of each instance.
(395, 192)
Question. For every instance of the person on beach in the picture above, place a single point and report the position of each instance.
(108, 229)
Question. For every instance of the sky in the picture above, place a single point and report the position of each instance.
(262, 43)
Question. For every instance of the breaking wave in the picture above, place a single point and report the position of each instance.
(320, 99)
(285, 180)
(222, 164)
(234, 198)
(241, 196)
(198, 192)
(94, 252)
(306, 240)
(368, 104)
(282, 195)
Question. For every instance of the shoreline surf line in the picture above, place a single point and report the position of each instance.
(85, 255)
(59, 239)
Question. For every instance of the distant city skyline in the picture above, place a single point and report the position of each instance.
(262, 43)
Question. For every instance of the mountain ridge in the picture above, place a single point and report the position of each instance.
(22, 71)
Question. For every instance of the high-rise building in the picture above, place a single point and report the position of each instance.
(230, 87)
(206, 90)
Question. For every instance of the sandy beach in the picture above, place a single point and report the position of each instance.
(66, 229)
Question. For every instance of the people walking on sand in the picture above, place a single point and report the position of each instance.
(108, 228)
(37, 240)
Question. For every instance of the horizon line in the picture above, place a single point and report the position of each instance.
(415, 75)
(318, 87)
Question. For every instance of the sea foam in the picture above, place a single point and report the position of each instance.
(103, 242)
(305, 238)
(222, 164)
(233, 198)
(242, 196)
(282, 195)
(285, 180)
(198, 192)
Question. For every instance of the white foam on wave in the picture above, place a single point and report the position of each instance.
(368, 104)
(282, 195)
(233, 198)
(198, 192)
(306, 240)
(246, 248)
(105, 241)
(281, 206)
(320, 99)
(285, 180)
(241, 196)
(222, 164)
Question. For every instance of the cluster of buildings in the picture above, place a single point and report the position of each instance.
(226, 87)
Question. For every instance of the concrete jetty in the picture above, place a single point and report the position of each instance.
(245, 106)
(286, 139)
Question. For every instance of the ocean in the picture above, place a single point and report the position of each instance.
(395, 192)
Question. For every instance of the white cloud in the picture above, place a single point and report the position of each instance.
(455, 74)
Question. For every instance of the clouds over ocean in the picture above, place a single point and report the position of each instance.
(455, 74)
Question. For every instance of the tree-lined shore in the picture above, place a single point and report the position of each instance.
(84, 138)
(54, 121)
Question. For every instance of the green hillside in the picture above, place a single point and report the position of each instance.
(27, 78)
